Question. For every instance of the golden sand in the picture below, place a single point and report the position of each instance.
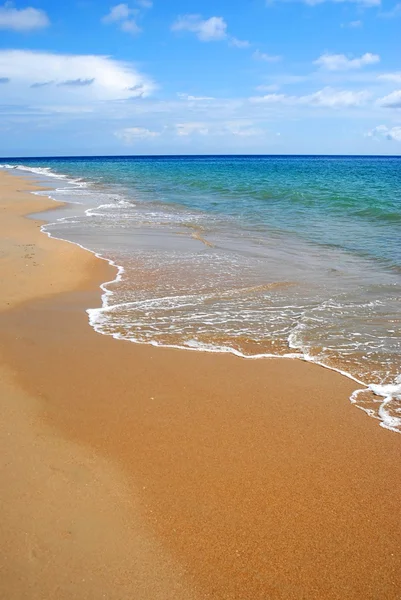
(133, 472)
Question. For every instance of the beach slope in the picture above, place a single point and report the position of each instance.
(129, 471)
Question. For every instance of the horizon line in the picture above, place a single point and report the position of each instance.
(289, 155)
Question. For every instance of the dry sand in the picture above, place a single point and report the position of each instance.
(132, 472)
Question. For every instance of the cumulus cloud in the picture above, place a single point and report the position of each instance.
(87, 77)
(393, 77)
(325, 98)
(213, 29)
(393, 100)
(207, 30)
(130, 135)
(25, 19)
(388, 133)
(271, 58)
(123, 15)
(340, 62)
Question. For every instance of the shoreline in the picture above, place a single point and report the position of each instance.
(240, 496)
(296, 355)
(66, 510)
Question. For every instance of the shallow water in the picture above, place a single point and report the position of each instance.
(291, 256)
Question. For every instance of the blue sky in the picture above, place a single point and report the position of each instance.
(199, 76)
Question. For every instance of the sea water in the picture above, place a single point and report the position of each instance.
(256, 255)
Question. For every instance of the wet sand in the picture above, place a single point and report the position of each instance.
(137, 472)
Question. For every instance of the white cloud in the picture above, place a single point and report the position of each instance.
(239, 43)
(25, 19)
(145, 3)
(82, 77)
(239, 128)
(194, 98)
(382, 131)
(273, 99)
(130, 135)
(124, 16)
(330, 98)
(184, 129)
(393, 100)
(258, 55)
(207, 30)
(325, 98)
(393, 77)
(118, 13)
(244, 128)
(340, 62)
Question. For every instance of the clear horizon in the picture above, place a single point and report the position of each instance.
(194, 155)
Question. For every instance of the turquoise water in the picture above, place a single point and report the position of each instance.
(291, 256)
(349, 202)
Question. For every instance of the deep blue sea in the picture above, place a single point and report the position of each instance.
(256, 255)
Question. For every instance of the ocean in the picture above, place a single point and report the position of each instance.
(292, 256)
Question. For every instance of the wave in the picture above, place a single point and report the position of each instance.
(387, 396)
(45, 172)
(379, 214)
(386, 410)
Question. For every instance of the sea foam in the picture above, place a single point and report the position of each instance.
(137, 320)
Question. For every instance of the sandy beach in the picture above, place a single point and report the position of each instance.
(134, 472)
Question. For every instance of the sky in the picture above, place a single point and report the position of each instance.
(94, 77)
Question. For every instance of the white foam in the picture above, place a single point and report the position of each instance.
(45, 172)
(388, 389)
(391, 393)
(98, 318)
(97, 212)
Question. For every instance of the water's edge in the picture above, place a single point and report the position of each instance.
(384, 391)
